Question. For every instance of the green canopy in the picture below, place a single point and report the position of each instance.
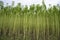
(1, 3)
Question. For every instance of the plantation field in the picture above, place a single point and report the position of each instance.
(35, 23)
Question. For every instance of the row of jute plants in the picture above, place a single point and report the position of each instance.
(34, 23)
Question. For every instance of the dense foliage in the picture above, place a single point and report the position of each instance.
(30, 23)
